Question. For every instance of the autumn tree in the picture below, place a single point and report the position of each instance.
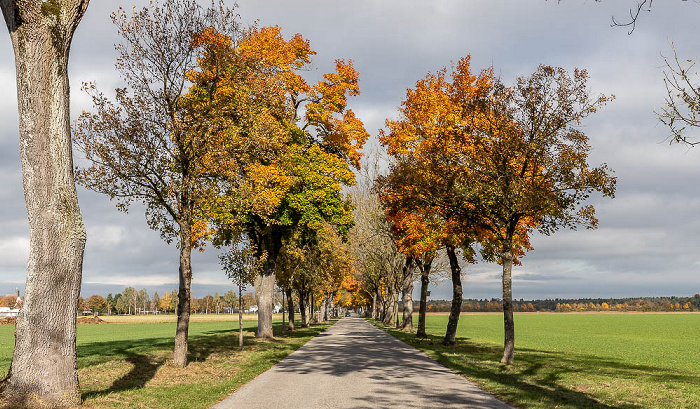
(530, 168)
(96, 303)
(8, 301)
(281, 149)
(420, 191)
(313, 263)
(43, 368)
(141, 145)
(165, 303)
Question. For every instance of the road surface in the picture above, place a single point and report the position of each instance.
(355, 365)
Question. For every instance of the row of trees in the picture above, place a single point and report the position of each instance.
(223, 140)
(645, 304)
(131, 301)
(43, 369)
(215, 132)
(475, 167)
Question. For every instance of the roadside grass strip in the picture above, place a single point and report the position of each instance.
(129, 365)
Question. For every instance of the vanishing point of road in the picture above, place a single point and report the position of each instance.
(355, 365)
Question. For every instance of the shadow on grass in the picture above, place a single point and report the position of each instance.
(539, 376)
(148, 354)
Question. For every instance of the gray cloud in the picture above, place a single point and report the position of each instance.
(647, 241)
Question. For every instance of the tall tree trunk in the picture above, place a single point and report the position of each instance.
(388, 313)
(269, 244)
(451, 333)
(290, 308)
(395, 314)
(184, 291)
(240, 316)
(264, 287)
(424, 281)
(508, 323)
(375, 313)
(303, 308)
(43, 369)
(407, 294)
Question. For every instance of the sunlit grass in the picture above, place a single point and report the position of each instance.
(577, 360)
(128, 365)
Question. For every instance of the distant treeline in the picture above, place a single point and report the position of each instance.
(642, 304)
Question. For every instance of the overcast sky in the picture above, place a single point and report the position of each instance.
(647, 243)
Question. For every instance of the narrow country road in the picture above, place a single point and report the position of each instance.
(355, 365)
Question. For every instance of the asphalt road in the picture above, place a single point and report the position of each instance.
(355, 365)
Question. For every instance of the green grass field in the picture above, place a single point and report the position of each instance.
(128, 364)
(577, 360)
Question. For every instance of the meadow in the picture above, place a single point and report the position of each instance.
(126, 363)
(573, 360)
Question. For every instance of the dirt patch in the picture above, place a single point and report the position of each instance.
(91, 320)
(8, 320)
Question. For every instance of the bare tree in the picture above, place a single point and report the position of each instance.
(144, 146)
(43, 369)
(682, 111)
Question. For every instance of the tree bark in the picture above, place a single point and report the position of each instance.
(43, 369)
(508, 322)
(269, 244)
(184, 292)
(325, 314)
(264, 287)
(388, 313)
(240, 316)
(303, 308)
(395, 313)
(290, 308)
(451, 333)
(407, 294)
(424, 281)
(375, 313)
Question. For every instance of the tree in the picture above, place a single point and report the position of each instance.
(419, 191)
(121, 305)
(682, 111)
(242, 267)
(109, 303)
(141, 146)
(508, 159)
(43, 368)
(143, 300)
(230, 300)
(165, 303)
(275, 169)
(530, 168)
(96, 303)
(375, 252)
(8, 301)
(216, 303)
(156, 301)
(130, 299)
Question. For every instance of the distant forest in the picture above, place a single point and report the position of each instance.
(641, 304)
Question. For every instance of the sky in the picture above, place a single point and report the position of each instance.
(647, 240)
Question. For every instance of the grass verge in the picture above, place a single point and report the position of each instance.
(562, 361)
(129, 365)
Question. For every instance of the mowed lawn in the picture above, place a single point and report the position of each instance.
(577, 360)
(126, 363)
